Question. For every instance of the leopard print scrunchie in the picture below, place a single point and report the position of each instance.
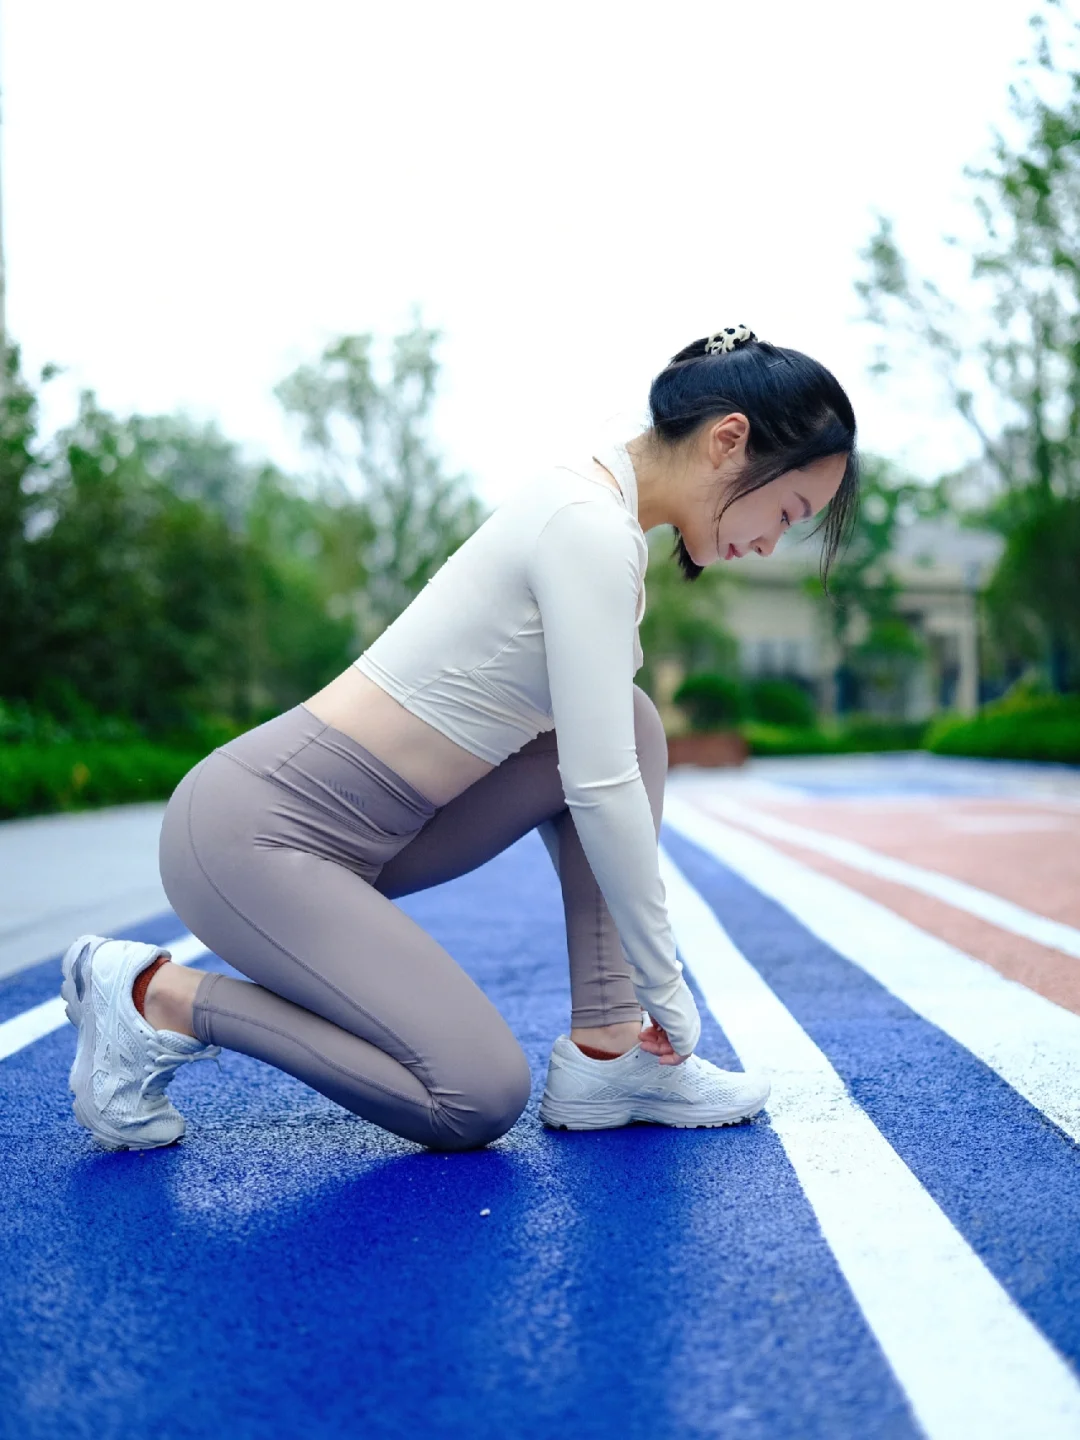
(728, 339)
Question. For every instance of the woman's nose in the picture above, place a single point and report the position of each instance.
(765, 546)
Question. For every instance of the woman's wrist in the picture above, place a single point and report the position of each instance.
(678, 1017)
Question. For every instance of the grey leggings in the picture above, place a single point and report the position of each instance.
(283, 850)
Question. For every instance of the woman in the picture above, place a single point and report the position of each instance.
(501, 700)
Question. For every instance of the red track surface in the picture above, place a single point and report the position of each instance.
(1025, 851)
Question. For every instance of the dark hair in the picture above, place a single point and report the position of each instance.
(798, 413)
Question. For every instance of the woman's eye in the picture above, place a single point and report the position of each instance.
(785, 517)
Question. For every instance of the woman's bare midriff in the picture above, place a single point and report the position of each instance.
(429, 760)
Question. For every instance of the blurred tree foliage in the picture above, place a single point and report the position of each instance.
(374, 440)
(781, 702)
(1027, 198)
(878, 647)
(683, 622)
(149, 571)
(712, 700)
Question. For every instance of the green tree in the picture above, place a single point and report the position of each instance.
(197, 461)
(306, 558)
(683, 623)
(1017, 384)
(373, 435)
(22, 508)
(712, 700)
(139, 594)
(878, 647)
(148, 571)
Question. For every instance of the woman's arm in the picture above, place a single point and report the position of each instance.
(585, 572)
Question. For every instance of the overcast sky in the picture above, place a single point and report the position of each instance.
(198, 196)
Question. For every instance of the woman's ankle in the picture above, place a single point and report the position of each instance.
(142, 983)
(606, 1042)
(170, 998)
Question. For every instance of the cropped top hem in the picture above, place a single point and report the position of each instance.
(424, 704)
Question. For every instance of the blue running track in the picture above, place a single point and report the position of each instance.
(289, 1270)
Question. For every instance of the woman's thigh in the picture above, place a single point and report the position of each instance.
(481, 822)
(495, 811)
(319, 936)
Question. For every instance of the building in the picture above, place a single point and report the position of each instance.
(784, 630)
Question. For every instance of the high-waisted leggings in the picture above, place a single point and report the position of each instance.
(283, 850)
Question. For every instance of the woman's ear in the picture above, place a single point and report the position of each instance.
(727, 439)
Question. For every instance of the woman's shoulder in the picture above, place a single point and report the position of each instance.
(569, 480)
(581, 525)
(581, 501)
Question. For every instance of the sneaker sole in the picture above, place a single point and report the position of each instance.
(586, 1115)
(80, 1076)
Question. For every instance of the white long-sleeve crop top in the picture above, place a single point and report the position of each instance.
(531, 624)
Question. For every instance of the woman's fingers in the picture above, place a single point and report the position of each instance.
(659, 1034)
(654, 1039)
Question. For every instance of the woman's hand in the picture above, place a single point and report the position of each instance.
(654, 1039)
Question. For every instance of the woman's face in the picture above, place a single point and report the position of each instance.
(756, 521)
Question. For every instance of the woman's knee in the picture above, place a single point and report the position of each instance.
(648, 727)
(652, 748)
(484, 1103)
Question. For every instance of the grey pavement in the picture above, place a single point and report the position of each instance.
(62, 875)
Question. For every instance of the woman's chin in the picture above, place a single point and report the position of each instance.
(703, 555)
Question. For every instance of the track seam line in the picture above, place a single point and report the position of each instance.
(968, 1359)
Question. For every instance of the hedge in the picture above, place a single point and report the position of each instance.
(780, 702)
(712, 701)
(1042, 728)
(36, 779)
(857, 737)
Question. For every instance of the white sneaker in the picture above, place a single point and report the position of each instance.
(122, 1065)
(586, 1094)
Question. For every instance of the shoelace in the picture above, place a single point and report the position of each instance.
(164, 1065)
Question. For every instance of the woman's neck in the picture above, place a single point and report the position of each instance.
(656, 491)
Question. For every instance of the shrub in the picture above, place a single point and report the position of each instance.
(863, 733)
(23, 724)
(781, 702)
(788, 740)
(35, 779)
(711, 700)
(859, 736)
(1020, 726)
(74, 720)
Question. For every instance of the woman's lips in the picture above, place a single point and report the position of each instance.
(733, 554)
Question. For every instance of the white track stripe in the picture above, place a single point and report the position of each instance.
(969, 1361)
(1055, 934)
(1033, 1044)
(22, 1030)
